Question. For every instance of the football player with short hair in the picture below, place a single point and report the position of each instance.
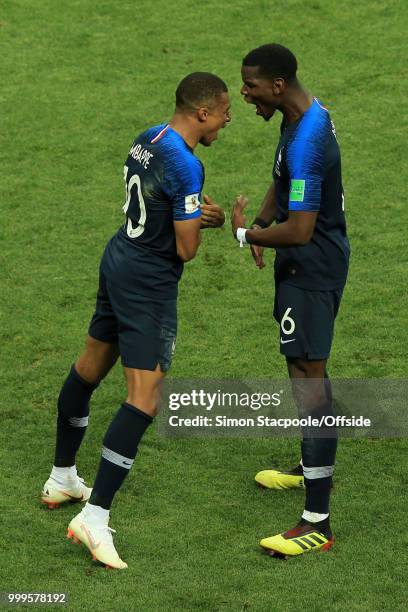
(135, 315)
(306, 202)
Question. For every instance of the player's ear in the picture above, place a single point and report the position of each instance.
(278, 86)
(202, 114)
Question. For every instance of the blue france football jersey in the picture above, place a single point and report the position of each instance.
(163, 180)
(307, 176)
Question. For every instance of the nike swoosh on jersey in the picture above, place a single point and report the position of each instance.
(286, 341)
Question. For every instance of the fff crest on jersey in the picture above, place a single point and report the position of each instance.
(192, 202)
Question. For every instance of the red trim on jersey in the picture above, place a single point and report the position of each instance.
(159, 135)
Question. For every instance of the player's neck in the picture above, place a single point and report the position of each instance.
(296, 104)
(180, 124)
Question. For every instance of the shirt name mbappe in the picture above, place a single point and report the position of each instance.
(141, 155)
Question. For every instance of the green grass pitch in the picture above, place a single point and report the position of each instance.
(79, 80)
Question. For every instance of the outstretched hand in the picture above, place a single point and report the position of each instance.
(238, 218)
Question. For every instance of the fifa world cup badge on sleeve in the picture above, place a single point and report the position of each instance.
(297, 190)
(192, 202)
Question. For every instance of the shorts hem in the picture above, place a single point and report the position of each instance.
(102, 338)
(139, 365)
(307, 356)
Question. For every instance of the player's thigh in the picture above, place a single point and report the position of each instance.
(306, 320)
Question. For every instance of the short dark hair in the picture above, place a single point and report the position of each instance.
(199, 88)
(273, 61)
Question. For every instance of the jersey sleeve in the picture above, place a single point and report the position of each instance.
(184, 178)
(305, 162)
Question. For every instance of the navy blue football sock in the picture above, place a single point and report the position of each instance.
(318, 458)
(72, 419)
(118, 453)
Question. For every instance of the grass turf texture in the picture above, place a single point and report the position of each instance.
(79, 81)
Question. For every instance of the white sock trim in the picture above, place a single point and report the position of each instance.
(64, 473)
(323, 471)
(97, 513)
(313, 517)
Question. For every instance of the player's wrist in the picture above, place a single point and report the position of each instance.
(259, 223)
(241, 235)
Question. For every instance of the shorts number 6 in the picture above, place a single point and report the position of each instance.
(290, 328)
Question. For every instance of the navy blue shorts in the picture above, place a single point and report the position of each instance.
(144, 328)
(306, 320)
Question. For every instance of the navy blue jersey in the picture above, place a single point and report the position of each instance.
(307, 176)
(163, 182)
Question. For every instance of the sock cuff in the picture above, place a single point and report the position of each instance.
(314, 517)
(81, 380)
(139, 412)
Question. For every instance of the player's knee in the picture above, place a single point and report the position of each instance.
(295, 367)
(91, 370)
(146, 402)
(88, 371)
(153, 409)
(307, 368)
(96, 361)
(144, 389)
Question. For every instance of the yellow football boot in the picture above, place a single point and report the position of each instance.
(302, 538)
(276, 479)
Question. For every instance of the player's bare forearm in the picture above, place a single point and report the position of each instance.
(267, 211)
(296, 231)
(188, 238)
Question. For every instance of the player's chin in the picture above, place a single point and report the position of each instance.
(265, 114)
(269, 114)
(207, 140)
